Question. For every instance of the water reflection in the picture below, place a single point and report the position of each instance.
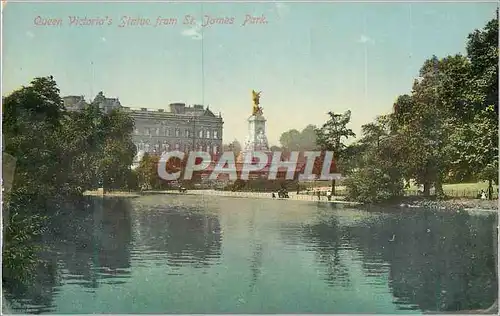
(94, 246)
(439, 261)
(86, 245)
(256, 263)
(177, 236)
(278, 258)
(435, 260)
(326, 238)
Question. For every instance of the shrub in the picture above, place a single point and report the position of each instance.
(373, 185)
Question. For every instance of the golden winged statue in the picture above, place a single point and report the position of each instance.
(256, 101)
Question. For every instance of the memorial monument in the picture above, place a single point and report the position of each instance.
(256, 139)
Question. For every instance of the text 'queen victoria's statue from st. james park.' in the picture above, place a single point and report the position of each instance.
(257, 110)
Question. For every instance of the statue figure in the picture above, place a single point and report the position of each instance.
(256, 101)
(256, 97)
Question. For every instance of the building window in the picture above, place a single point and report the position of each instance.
(136, 131)
(215, 134)
(208, 134)
(177, 146)
(157, 131)
(167, 132)
(177, 132)
(187, 133)
(207, 148)
(200, 134)
(215, 149)
(147, 131)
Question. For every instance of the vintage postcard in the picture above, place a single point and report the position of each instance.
(249, 157)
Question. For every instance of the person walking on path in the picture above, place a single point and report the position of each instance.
(483, 195)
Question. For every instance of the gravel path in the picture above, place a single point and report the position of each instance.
(259, 195)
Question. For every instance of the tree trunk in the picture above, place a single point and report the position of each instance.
(490, 189)
(439, 187)
(333, 180)
(427, 189)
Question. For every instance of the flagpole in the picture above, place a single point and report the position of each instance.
(202, 62)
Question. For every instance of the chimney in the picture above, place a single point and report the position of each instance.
(177, 108)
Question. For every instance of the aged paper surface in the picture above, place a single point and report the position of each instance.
(249, 157)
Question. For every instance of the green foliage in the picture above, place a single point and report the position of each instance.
(61, 154)
(372, 185)
(474, 146)
(147, 173)
(234, 146)
(447, 128)
(118, 150)
(334, 132)
(376, 175)
(58, 155)
(19, 259)
(31, 126)
(305, 140)
(482, 50)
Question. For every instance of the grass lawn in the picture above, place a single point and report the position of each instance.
(466, 190)
(463, 186)
(319, 184)
(463, 189)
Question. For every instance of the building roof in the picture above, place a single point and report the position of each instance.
(175, 109)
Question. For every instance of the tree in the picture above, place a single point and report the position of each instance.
(290, 140)
(424, 121)
(374, 133)
(430, 126)
(31, 124)
(147, 172)
(378, 176)
(331, 135)
(82, 137)
(305, 140)
(118, 150)
(351, 160)
(234, 146)
(448, 125)
(58, 155)
(482, 50)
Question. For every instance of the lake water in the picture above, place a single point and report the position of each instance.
(194, 254)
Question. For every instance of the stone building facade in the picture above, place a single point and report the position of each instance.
(182, 127)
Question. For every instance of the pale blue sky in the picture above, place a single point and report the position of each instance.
(308, 59)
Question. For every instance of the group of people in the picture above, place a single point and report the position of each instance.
(482, 195)
(328, 195)
(282, 193)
